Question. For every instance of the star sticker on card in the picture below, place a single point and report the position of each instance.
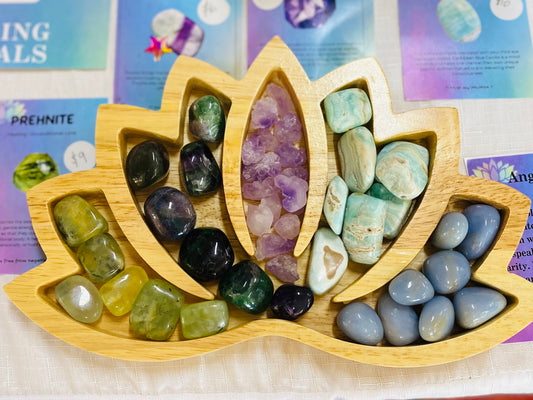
(157, 47)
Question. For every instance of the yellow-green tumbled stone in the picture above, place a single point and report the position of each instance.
(347, 109)
(78, 220)
(204, 319)
(101, 257)
(119, 293)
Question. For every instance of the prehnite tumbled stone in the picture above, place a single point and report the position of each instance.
(247, 287)
(156, 310)
(147, 163)
(169, 213)
(207, 121)
(357, 153)
(33, 169)
(77, 220)
(206, 254)
(397, 210)
(80, 298)
(200, 170)
(119, 293)
(347, 109)
(101, 257)
(204, 318)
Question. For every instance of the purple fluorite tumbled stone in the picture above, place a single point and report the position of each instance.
(308, 13)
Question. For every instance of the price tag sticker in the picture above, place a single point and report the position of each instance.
(267, 4)
(507, 9)
(79, 156)
(213, 12)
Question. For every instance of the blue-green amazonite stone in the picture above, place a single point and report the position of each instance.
(357, 153)
(147, 163)
(204, 318)
(200, 169)
(360, 323)
(101, 257)
(347, 109)
(483, 225)
(397, 210)
(33, 169)
(206, 119)
(476, 305)
(450, 231)
(156, 310)
(410, 287)
(459, 19)
(80, 298)
(436, 319)
(362, 232)
(400, 323)
(335, 203)
(402, 167)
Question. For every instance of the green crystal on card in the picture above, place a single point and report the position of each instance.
(34, 169)
(204, 319)
(156, 310)
(119, 293)
(347, 109)
(101, 257)
(79, 298)
(77, 220)
(207, 120)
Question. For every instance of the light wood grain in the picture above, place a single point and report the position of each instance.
(121, 127)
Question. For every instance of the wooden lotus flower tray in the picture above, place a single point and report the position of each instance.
(120, 127)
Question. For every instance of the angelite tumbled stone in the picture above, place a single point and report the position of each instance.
(483, 225)
(347, 109)
(206, 254)
(204, 318)
(247, 287)
(156, 310)
(360, 323)
(335, 203)
(200, 170)
(169, 213)
(400, 323)
(459, 19)
(476, 305)
(450, 231)
(101, 257)
(397, 210)
(34, 169)
(291, 301)
(402, 167)
(206, 119)
(77, 220)
(436, 319)
(147, 163)
(119, 293)
(410, 287)
(357, 153)
(80, 299)
(447, 270)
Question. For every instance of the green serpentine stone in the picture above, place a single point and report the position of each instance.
(397, 210)
(357, 152)
(34, 169)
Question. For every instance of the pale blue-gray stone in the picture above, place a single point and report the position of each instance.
(436, 319)
(476, 305)
(447, 270)
(450, 231)
(402, 167)
(357, 154)
(362, 232)
(459, 19)
(400, 323)
(360, 323)
(411, 287)
(347, 109)
(397, 210)
(483, 225)
(328, 262)
(335, 203)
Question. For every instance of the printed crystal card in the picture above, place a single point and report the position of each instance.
(54, 34)
(40, 139)
(323, 34)
(515, 171)
(151, 34)
(465, 49)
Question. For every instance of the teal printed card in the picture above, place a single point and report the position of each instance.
(54, 34)
(40, 140)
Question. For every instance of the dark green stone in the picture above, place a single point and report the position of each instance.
(147, 163)
(200, 170)
(247, 287)
(207, 120)
(34, 169)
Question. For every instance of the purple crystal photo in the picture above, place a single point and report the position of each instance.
(304, 14)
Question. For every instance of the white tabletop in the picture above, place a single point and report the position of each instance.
(35, 364)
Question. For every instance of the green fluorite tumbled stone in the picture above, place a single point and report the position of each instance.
(80, 298)
(77, 220)
(204, 319)
(34, 169)
(247, 287)
(347, 109)
(357, 152)
(207, 120)
(119, 293)
(200, 170)
(101, 257)
(147, 163)
(156, 310)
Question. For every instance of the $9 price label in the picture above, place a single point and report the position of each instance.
(79, 156)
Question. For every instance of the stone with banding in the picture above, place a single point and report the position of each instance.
(357, 153)
(459, 19)
(347, 109)
(335, 203)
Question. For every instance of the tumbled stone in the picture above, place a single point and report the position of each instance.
(397, 210)
(258, 190)
(483, 226)
(362, 232)
(450, 231)
(347, 109)
(146, 164)
(357, 153)
(328, 261)
(335, 203)
(34, 169)
(447, 270)
(436, 319)
(264, 113)
(476, 305)
(291, 301)
(288, 226)
(288, 129)
(156, 310)
(268, 166)
(247, 287)
(259, 219)
(206, 254)
(284, 267)
(360, 323)
(410, 287)
(119, 293)
(282, 98)
(271, 245)
(79, 298)
(400, 323)
(291, 156)
(308, 13)
(77, 220)
(402, 167)
(169, 213)
(101, 257)
(200, 170)
(205, 318)
(459, 19)
(294, 191)
(207, 121)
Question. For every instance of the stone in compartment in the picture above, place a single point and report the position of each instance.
(207, 121)
(284, 267)
(450, 231)
(477, 305)
(357, 153)
(411, 287)
(347, 109)
(119, 293)
(146, 164)
(205, 318)
(447, 270)
(200, 170)
(397, 210)
(400, 323)
(79, 298)
(271, 245)
(291, 301)
(360, 323)
(436, 319)
(335, 203)
(483, 225)
(101, 257)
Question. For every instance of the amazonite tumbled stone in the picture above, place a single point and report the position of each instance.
(360, 323)
(397, 210)
(362, 232)
(119, 293)
(459, 19)
(347, 109)
(411, 287)
(357, 153)
(335, 203)
(436, 319)
(476, 305)
(402, 167)
(328, 262)
(79, 298)
(400, 323)
(101, 257)
(156, 310)
(204, 318)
